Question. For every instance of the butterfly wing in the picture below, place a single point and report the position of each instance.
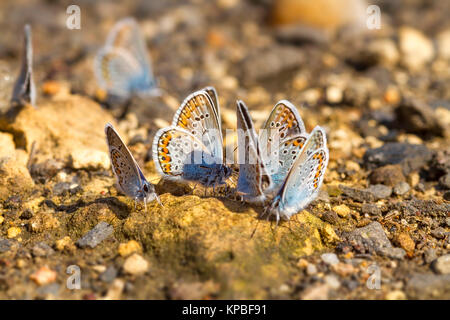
(24, 89)
(197, 115)
(283, 122)
(253, 177)
(122, 65)
(306, 175)
(125, 168)
(212, 93)
(172, 148)
(281, 161)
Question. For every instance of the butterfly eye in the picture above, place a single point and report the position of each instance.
(145, 188)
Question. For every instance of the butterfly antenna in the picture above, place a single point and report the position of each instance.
(145, 204)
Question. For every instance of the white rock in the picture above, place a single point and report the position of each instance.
(443, 42)
(135, 265)
(442, 264)
(417, 50)
(330, 258)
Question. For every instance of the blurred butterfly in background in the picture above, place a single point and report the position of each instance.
(24, 91)
(130, 178)
(191, 149)
(122, 66)
(303, 179)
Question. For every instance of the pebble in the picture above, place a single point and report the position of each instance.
(109, 274)
(395, 295)
(5, 245)
(401, 188)
(369, 238)
(334, 95)
(316, 292)
(51, 289)
(415, 116)
(132, 246)
(330, 258)
(115, 291)
(444, 181)
(389, 175)
(311, 269)
(99, 233)
(357, 194)
(380, 191)
(343, 269)
(443, 43)
(393, 253)
(447, 221)
(410, 157)
(2, 219)
(439, 233)
(429, 255)
(13, 232)
(43, 276)
(416, 49)
(65, 243)
(135, 265)
(342, 210)
(385, 51)
(405, 241)
(42, 249)
(442, 264)
(371, 209)
(332, 281)
(429, 286)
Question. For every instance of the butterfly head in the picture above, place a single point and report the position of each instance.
(146, 192)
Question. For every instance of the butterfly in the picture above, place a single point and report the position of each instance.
(273, 151)
(130, 178)
(122, 66)
(191, 149)
(303, 179)
(24, 89)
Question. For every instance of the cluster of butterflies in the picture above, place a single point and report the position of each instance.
(191, 150)
(282, 168)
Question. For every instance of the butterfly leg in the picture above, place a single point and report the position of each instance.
(145, 204)
(159, 201)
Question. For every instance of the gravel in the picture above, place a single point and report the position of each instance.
(95, 236)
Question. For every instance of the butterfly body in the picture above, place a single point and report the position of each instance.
(130, 179)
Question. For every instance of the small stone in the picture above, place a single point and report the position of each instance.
(357, 194)
(443, 43)
(99, 233)
(135, 265)
(389, 175)
(334, 95)
(416, 116)
(330, 258)
(429, 255)
(439, 233)
(5, 245)
(447, 221)
(42, 249)
(380, 191)
(330, 217)
(396, 295)
(393, 253)
(410, 157)
(343, 269)
(132, 246)
(65, 243)
(342, 210)
(302, 263)
(13, 232)
(316, 292)
(444, 181)
(417, 50)
(115, 291)
(43, 276)
(405, 241)
(429, 286)
(2, 219)
(332, 281)
(311, 269)
(385, 51)
(442, 264)
(109, 274)
(371, 209)
(401, 188)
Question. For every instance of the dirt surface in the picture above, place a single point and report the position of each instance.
(380, 228)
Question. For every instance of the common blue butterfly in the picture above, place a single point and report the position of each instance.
(130, 178)
(122, 66)
(304, 178)
(24, 89)
(191, 149)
